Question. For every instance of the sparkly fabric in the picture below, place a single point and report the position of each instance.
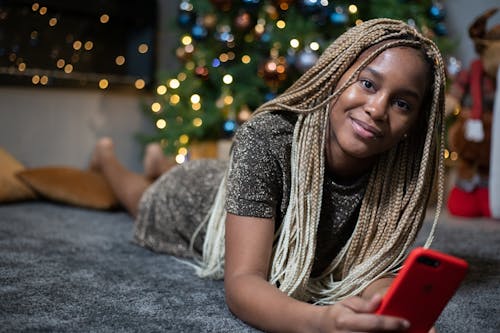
(259, 183)
(173, 207)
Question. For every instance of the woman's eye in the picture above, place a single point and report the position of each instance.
(367, 84)
(402, 104)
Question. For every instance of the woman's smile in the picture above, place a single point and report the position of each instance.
(364, 130)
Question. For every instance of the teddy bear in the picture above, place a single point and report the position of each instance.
(472, 135)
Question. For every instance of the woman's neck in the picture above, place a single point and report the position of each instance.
(345, 167)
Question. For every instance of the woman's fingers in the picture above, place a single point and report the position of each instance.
(358, 304)
(370, 323)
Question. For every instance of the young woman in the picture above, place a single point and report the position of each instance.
(325, 191)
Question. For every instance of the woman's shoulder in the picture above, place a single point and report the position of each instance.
(269, 124)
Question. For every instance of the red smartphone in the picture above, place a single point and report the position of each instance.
(423, 287)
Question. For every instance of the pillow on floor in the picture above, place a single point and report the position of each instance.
(70, 186)
(11, 188)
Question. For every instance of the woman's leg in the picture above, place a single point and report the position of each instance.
(155, 162)
(127, 185)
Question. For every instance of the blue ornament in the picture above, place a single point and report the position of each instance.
(266, 37)
(199, 32)
(437, 11)
(251, 4)
(339, 17)
(185, 19)
(269, 96)
(441, 29)
(229, 126)
(305, 60)
(215, 63)
(310, 6)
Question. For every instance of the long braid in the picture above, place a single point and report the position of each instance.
(398, 189)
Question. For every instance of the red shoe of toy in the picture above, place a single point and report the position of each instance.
(463, 204)
(483, 201)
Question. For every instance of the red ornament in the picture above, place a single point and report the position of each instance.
(243, 21)
(273, 71)
(202, 72)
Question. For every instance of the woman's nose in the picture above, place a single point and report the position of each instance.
(377, 106)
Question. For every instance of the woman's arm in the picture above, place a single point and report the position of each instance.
(379, 286)
(250, 296)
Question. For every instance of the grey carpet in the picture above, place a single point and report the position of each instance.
(64, 269)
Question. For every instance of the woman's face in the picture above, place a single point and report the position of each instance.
(373, 114)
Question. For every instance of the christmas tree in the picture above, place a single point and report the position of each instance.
(235, 55)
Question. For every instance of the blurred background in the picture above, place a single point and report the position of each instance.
(183, 73)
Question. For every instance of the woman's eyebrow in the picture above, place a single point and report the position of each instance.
(405, 91)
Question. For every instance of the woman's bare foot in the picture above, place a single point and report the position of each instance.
(155, 162)
(103, 150)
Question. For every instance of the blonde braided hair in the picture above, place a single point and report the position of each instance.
(397, 193)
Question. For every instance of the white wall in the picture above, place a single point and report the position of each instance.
(43, 126)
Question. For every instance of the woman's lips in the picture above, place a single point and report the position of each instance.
(364, 130)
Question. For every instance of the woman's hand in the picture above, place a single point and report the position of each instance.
(356, 314)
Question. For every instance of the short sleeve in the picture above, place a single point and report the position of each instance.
(254, 179)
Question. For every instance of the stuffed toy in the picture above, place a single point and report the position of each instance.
(474, 135)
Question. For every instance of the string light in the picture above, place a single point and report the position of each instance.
(103, 83)
(88, 45)
(246, 59)
(175, 99)
(140, 84)
(197, 122)
(120, 60)
(155, 107)
(183, 139)
(186, 40)
(174, 83)
(314, 46)
(446, 153)
(77, 45)
(161, 90)
(104, 18)
(281, 24)
(143, 48)
(294, 43)
(228, 100)
(353, 9)
(195, 98)
(180, 158)
(227, 79)
(161, 123)
(68, 68)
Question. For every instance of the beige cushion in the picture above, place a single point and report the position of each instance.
(11, 188)
(70, 186)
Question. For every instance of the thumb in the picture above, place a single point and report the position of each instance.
(374, 303)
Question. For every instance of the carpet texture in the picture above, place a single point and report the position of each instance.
(65, 269)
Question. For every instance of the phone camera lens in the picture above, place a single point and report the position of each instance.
(428, 261)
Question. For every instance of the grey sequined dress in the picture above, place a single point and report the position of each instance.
(258, 185)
